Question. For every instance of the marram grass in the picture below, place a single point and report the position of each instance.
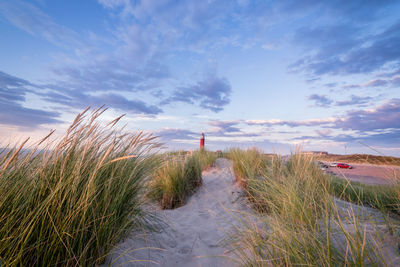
(179, 177)
(69, 203)
(206, 158)
(383, 197)
(300, 223)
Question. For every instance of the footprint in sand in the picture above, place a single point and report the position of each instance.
(204, 215)
(185, 250)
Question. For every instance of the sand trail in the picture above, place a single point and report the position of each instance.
(195, 231)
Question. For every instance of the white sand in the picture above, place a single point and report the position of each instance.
(195, 230)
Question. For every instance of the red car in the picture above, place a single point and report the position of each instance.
(344, 166)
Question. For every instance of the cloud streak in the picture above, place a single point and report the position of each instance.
(211, 93)
(385, 116)
(292, 123)
(320, 100)
(79, 100)
(31, 19)
(355, 101)
(347, 49)
(12, 111)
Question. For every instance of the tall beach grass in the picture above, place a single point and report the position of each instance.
(383, 197)
(69, 203)
(205, 157)
(179, 177)
(300, 222)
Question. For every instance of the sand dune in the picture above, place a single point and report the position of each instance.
(196, 231)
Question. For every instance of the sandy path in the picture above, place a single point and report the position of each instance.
(195, 230)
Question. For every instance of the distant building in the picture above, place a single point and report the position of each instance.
(315, 152)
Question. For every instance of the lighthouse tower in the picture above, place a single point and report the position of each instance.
(202, 140)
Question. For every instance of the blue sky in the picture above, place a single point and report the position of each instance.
(273, 74)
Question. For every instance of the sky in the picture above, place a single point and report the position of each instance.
(322, 75)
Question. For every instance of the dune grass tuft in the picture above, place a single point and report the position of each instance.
(246, 163)
(300, 223)
(205, 157)
(382, 197)
(69, 203)
(179, 177)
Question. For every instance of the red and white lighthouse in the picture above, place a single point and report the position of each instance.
(202, 140)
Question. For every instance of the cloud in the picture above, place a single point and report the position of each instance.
(147, 35)
(225, 126)
(114, 3)
(187, 139)
(291, 123)
(108, 73)
(12, 88)
(31, 19)
(392, 81)
(222, 133)
(171, 134)
(213, 136)
(92, 74)
(142, 38)
(376, 83)
(79, 100)
(167, 26)
(229, 129)
(396, 81)
(324, 101)
(330, 85)
(359, 10)
(381, 143)
(389, 138)
(7, 80)
(351, 86)
(16, 114)
(211, 93)
(385, 116)
(355, 100)
(12, 112)
(378, 126)
(345, 49)
(141, 42)
(13, 92)
(327, 40)
(324, 132)
(121, 103)
(320, 100)
(389, 74)
(269, 46)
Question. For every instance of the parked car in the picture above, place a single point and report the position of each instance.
(333, 164)
(322, 165)
(344, 166)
